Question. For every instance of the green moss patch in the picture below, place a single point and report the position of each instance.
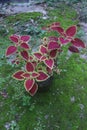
(23, 17)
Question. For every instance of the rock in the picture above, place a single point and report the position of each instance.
(72, 99)
(21, 8)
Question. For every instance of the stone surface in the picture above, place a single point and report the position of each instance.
(84, 28)
(15, 8)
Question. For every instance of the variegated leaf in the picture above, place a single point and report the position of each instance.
(29, 67)
(24, 54)
(18, 75)
(49, 63)
(35, 74)
(49, 70)
(28, 84)
(60, 30)
(43, 58)
(53, 53)
(73, 49)
(38, 55)
(26, 75)
(53, 38)
(25, 46)
(57, 24)
(33, 89)
(25, 38)
(11, 50)
(53, 45)
(64, 40)
(71, 31)
(43, 49)
(78, 43)
(42, 76)
(14, 38)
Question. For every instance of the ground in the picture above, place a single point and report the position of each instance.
(64, 105)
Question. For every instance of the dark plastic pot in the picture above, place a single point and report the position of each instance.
(45, 85)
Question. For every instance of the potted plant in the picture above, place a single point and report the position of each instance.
(39, 66)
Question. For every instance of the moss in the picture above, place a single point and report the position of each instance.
(23, 17)
(65, 15)
(17, 23)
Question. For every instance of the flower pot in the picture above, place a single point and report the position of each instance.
(45, 85)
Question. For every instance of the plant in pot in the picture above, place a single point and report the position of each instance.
(39, 67)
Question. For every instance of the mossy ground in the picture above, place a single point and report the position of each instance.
(64, 106)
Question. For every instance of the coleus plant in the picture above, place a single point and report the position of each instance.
(40, 65)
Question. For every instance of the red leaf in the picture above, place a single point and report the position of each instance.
(35, 74)
(53, 45)
(29, 84)
(29, 67)
(33, 89)
(25, 38)
(53, 38)
(24, 54)
(58, 29)
(18, 75)
(78, 43)
(49, 63)
(73, 49)
(34, 63)
(30, 58)
(53, 53)
(25, 46)
(43, 49)
(71, 31)
(49, 70)
(55, 24)
(42, 76)
(64, 40)
(17, 36)
(11, 50)
(14, 38)
(43, 58)
(26, 75)
(38, 55)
